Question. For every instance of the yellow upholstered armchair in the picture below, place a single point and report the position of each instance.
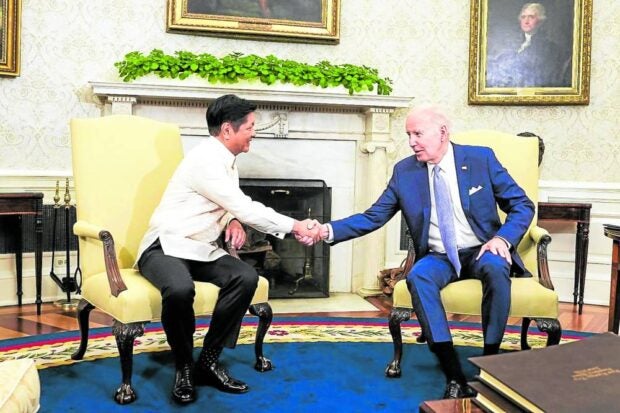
(121, 167)
(531, 298)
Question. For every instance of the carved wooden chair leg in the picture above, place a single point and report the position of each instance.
(125, 335)
(265, 315)
(525, 325)
(397, 316)
(83, 312)
(552, 327)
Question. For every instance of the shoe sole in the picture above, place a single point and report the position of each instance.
(183, 401)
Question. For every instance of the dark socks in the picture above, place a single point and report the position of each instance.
(449, 361)
(490, 349)
(209, 355)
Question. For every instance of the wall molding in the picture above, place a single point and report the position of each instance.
(604, 197)
(36, 181)
(49, 291)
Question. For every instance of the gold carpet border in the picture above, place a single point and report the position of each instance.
(57, 354)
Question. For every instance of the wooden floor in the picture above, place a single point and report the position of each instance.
(23, 321)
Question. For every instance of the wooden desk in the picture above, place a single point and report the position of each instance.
(613, 232)
(14, 206)
(579, 214)
(450, 406)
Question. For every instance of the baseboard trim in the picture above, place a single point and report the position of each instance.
(36, 181)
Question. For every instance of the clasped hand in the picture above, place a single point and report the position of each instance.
(310, 231)
(307, 232)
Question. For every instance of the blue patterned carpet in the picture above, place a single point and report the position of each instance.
(322, 364)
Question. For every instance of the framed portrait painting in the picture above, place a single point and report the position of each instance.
(10, 25)
(310, 21)
(530, 53)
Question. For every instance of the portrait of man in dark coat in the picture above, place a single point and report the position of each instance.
(537, 55)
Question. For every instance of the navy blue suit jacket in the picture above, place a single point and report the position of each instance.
(408, 191)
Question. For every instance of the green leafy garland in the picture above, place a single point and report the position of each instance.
(235, 66)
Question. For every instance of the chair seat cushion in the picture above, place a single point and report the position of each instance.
(142, 301)
(20, 388)
(529, 298)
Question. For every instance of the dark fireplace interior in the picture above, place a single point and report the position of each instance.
(293, 270)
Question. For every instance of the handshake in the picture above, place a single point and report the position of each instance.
(310, 231)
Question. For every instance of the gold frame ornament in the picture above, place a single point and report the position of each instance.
(307, 21)
(10, 28)
(554, 71)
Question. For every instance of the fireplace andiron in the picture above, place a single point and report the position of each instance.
(68, 284)
(307, 274)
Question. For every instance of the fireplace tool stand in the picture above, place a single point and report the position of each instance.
(68, 284)
(307, 275)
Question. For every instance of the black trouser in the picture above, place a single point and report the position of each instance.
(174, 277)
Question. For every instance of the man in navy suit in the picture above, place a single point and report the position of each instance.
(484, 248)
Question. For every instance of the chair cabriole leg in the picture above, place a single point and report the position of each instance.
(397, 316)
(552, 327)
(125, 335)
(525, 325)
(83, 312)
(265, 314)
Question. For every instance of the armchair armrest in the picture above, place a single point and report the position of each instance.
(410, 255)
(542, 239)
(537, 233)
(88, 230)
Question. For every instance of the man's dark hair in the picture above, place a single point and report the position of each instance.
(228, 108)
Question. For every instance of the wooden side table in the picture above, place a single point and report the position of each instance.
(613, 232)
(15, 206)
(579, 214)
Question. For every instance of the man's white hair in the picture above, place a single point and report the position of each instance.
(433, 114)
(539, 8)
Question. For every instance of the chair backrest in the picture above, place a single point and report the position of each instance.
(121, 167)
(519, 155)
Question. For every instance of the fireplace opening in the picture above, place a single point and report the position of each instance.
(293, 270)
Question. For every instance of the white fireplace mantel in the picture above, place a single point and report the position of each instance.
(173, 92)
(351, 135)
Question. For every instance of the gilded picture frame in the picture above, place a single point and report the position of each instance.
(10, 28)
(530, 53)
(307, 21)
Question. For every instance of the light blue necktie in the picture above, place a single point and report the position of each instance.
(445, 216)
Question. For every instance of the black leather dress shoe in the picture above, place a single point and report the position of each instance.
(218, 377)
(183, 391)
(457, 391)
